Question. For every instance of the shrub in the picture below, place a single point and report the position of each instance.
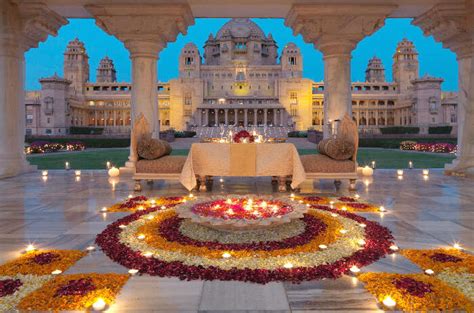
(86, 130)
(440, 130)
(399, 130)
(184, 134)
(43, 147)
(300, 134)
(89, 142)
(408, 145)
(75, 146)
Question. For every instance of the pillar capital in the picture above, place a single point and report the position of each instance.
(144, 29)
(335, 29)
(452, 24)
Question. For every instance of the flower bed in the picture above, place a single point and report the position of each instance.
(74, 292)
(42, 262)
(439, 147)
(325, 243)
(415, 292)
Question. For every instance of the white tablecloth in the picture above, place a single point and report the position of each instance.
(224, 159)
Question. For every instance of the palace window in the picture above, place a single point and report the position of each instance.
(293, 97)
(292, 60)
(188, 61)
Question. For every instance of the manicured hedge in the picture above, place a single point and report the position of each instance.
(399, 130)
(89, 142)
(86, 130)
(185, 134)
(300, 134)
(440, 130)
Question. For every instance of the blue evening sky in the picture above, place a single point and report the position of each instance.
(48, 57)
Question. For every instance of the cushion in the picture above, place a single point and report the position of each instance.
(348, 131)
(318, 163)
(336, 148)
(169, 164)
(150, 149)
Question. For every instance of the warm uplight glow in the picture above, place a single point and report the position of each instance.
(99, 304)
(389, 302)
(226, 255)
(288, 265)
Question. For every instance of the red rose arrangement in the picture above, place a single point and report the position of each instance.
(241, 135)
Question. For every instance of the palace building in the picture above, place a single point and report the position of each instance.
(240, 80)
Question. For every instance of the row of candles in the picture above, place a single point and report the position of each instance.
(410, 165)
(112, 170)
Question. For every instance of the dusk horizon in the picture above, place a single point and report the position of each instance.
(434, 59)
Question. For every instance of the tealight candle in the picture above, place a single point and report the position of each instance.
(344, 208)
(133, 271)
(147, 254)
(288, 265)
(77, 173)
(226, 255)
(382, 209)
(389, 302)
(108, 164)
(394, 247)
(356, 196)
(30, 248)
(44, 173)
(141, 237)
(153, 201)
(323, 247)
(104, 209)
(361, 242)
(141, 208)
(457, 246)
(429, 272)
(410, 165)
(367, 171)
(66, 166)
(113, 172)
(90, 248)
(343, 231)
(354, 269)
(426, 172)
(56, 272)
(362, 225)
(400, 172)
(99, 305)
(191, 195)
(122, 226)
(373, 165)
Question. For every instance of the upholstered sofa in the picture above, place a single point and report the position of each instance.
(319, 166)
(163, 168)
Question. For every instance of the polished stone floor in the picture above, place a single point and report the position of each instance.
(62, 212)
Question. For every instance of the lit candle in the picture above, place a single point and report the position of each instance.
(133, 271)
(148, 254)
(429, 272)
(104, 209)
(354, 269)
(113, 172)
(56, 272)
(141, 208)
(426, 172)
(343, 231)
(30, 248)
(66, 166)
(400, 172)
(394, 247)
(457, 246)
(288, 265)
(344, 208)
(191, 195)
(108, 164)
(90, 248)
(130, 196)
(99, 305)
(226, 255)
(382, 209)
(410, 165)
(323, 247)
(44, 173)
(389, 302)
(373, 165)
(367, 171)
(141, 237)
(356, 196)
(77, 173)
(122, 226)
(361, 242)
(362, 225)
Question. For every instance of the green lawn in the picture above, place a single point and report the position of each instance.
(98, 159)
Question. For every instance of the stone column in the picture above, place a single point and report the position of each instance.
(145, 30)
(216, 117)
(275, 117)
(207, 118)
(21, 27)
(282, 116)
(245, 118)
(226, 112)
(452, 24)
(236, 116)
(335, 29)
(265, 119)
(255, 117)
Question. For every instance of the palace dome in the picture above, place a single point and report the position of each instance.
(240, 28)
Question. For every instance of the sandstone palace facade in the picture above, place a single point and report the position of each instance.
(240, 80)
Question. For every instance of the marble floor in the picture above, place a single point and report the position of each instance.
(62, 212)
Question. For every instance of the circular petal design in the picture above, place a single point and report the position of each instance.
(159, 242)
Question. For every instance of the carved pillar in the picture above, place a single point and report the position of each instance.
(452, 24)
(207, 117)
(265, 119)
(216, 117)
(274, 117)
(145, 30)
(236, 117)
(245, 118)
(226, 112)
(282, 116)
(22, 27)
(255, 117)
(335, 29)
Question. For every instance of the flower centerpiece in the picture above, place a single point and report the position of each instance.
(243, 136)
(241, 213)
